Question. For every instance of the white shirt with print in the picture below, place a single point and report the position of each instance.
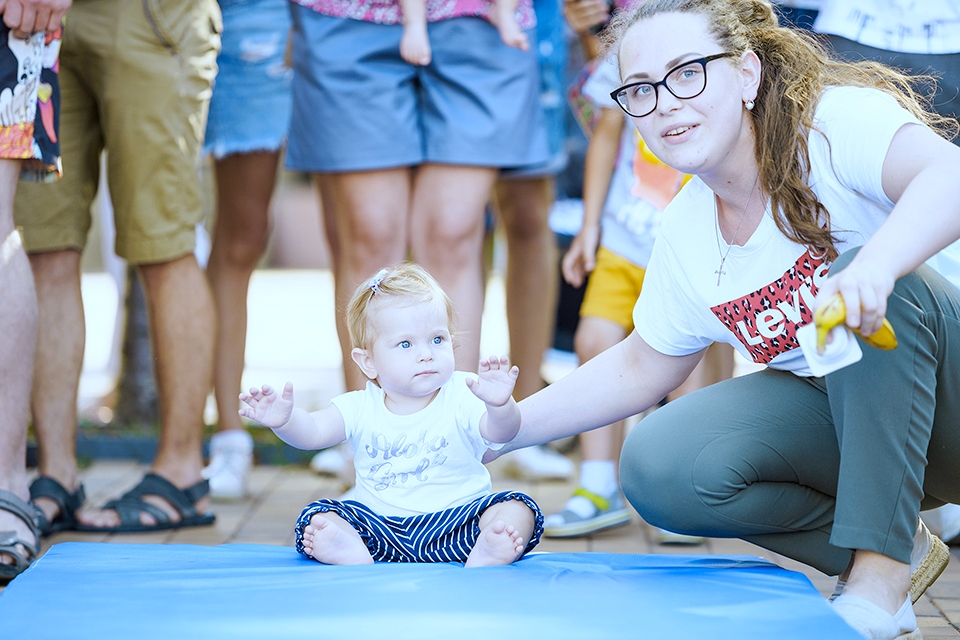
(769, 284)
(418, 463)
(907, 26)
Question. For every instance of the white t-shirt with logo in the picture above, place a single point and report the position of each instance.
(419, 463)
(907, 26)
(768, 286)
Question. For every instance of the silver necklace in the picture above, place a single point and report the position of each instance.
(716, 221)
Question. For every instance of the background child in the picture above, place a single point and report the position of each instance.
(415, 44)
(624, 192)
(419, 430)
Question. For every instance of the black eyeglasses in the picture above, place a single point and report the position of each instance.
(685, 81)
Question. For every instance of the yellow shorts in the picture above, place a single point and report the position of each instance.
(613, 289)
(136, 80)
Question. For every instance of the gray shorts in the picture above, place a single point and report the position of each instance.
(357, 106)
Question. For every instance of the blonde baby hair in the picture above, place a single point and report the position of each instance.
(406, 283)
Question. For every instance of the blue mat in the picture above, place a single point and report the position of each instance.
(180, 592)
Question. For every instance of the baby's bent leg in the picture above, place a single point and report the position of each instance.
(505, 529)
(331, 540)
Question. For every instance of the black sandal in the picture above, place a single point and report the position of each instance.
(9, 540)
(69, 503)
(131, 505)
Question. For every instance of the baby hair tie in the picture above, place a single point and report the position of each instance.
(376, 280)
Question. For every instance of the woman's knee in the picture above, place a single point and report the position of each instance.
(655, 473)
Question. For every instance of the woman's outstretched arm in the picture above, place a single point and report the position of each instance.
(622, 381)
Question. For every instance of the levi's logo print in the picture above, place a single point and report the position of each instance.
(766, 320)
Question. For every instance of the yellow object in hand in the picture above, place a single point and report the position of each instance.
(833, 312)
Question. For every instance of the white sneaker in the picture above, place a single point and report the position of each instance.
(231, 458)
(328, 462)
(944, 522)
(337, 462)
(538, 463)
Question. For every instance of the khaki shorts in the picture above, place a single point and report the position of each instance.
(613, 289)
(136, 81)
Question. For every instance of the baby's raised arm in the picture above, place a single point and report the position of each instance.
(495, 383)
(296, 427)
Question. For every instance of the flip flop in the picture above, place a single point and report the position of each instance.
(9, 539)
(131, 504)
(69, 504)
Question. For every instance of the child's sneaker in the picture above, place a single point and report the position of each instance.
(585, 513)
(231, 458)
(538, 463)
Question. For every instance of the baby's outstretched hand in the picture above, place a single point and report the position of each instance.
(267, 407)
(495, 382)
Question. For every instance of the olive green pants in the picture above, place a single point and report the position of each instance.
(813, 467)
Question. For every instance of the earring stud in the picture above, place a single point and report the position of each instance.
(749, 105)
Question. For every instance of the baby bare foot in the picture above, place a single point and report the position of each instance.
(500, 544)
(325, 542)
(415, 45)
(506, 22)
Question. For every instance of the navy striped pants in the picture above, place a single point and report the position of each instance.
(442, 536)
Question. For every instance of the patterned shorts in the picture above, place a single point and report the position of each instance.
(442, 536)
(30, 103)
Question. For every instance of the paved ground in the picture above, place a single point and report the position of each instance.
(279, 493)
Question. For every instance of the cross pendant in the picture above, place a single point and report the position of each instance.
(719, 273)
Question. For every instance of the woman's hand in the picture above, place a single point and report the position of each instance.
(865, 287)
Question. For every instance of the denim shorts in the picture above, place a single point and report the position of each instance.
(250, 107)
(552, 57)
(358, 106)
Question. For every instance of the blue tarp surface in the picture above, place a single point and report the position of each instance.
(181, 592)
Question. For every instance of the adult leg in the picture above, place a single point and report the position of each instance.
(369, 212)
(60, 346)
(893, 409)
(245, 183)
(754, 457)
(181, 322)
(524, 205)
(365, 221)
(18, 335)
(446, 237)
(531, 282)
